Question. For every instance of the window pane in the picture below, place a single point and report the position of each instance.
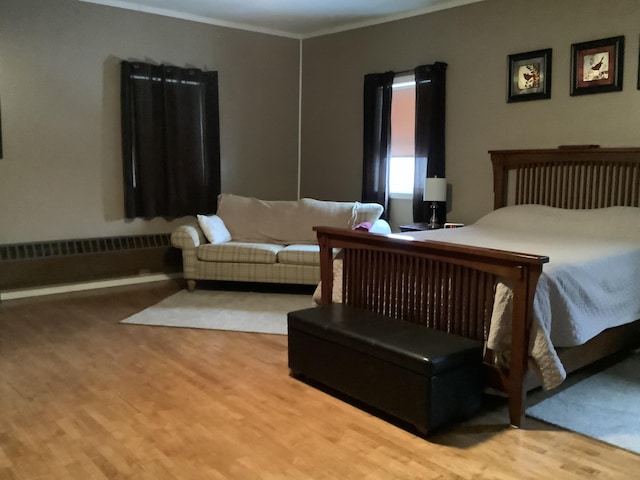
(403, 113)
(401, 175)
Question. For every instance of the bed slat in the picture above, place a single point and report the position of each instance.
(433, 293)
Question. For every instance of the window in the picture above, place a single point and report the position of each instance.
(429, 149)
(171, 140)
(402, 158)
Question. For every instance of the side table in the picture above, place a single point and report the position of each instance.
(417, 227)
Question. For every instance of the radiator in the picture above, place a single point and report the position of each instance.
(36, 264)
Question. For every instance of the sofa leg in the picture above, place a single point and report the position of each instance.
(191, 285)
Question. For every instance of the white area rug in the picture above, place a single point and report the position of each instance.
(224, 310)
(605, 406)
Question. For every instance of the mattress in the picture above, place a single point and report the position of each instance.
(591, 283)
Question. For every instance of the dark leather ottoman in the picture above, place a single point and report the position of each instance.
(418, 375)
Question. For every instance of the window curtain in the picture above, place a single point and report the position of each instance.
(429, 137)
(170, 140)
(377, 139)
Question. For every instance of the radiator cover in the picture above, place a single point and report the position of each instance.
(37, 264)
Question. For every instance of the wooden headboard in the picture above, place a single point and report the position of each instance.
(567, 177)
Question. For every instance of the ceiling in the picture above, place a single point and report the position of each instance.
(288, 18)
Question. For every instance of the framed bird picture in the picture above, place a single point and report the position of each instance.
(529, 76)
(597, 66)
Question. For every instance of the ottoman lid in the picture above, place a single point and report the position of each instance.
(415, 347)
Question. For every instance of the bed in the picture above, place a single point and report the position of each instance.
(489, 287)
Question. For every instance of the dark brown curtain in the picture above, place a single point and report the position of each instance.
(377, 138)
(430, 136)
(170, 140)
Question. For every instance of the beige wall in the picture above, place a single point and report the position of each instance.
(474, 41)
(61, 175)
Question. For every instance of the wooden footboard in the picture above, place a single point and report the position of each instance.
(439, 285)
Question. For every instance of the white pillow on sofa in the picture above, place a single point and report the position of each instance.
(214, 229)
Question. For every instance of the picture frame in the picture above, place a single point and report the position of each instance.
(529, 76)
(597, 66)
(639, 71)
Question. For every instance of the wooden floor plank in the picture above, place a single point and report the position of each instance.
(85, 397)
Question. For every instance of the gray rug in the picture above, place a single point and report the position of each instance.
(224, 310)
(605, 405)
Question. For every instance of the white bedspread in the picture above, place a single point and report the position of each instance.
(591, 283)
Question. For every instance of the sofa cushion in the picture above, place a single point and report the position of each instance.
(300, 255)
(213, 228)
(239, 252)
(288, 221)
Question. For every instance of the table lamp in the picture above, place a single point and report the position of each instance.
(435, 190)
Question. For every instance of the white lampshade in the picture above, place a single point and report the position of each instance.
(435, 190)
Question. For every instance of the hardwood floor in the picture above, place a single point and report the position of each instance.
(84, 397)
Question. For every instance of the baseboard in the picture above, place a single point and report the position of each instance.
(77, 287)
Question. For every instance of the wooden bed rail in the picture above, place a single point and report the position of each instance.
(443, 286)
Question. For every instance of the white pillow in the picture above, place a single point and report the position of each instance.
(214, 229)
(609, 222)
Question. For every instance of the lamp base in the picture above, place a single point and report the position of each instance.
(433, 221)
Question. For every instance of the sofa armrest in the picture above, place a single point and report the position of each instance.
(187, 237)
(380, 226)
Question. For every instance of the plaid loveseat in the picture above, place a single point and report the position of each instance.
(271, 241)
